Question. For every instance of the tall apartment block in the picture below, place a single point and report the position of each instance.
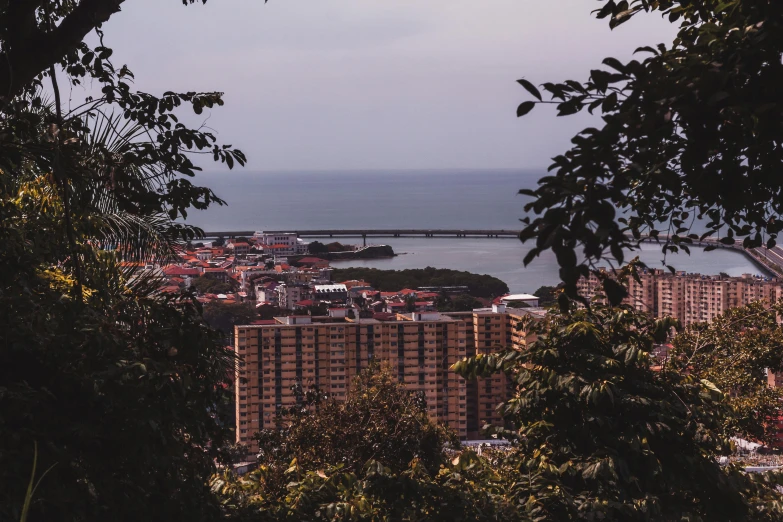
(691, 298)
(328, 352)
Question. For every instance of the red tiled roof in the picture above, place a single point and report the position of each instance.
(313, 260)
(180, 271)
(215, 270)
(395, 305)
(264, 321)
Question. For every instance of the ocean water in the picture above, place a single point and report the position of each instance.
(462, 199)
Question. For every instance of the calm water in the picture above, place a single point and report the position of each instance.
(415, 199)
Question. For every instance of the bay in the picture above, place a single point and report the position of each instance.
(424, 199)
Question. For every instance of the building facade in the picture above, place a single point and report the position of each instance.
(328, 352)
(690, 298)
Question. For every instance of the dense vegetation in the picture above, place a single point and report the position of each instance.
(393, 280)
(735, 352)
(547, 295)
(208, 285)
(224, 316)
(111, 393)
(376, 456)
(689, 130)
(598, 434)
(457, 303)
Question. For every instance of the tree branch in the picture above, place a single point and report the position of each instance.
(30, 51)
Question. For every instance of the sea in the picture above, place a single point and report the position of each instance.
(423, 199)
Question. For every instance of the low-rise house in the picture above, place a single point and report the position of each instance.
(204, 254)
(333, 292)
(313, 262)
(240, 248)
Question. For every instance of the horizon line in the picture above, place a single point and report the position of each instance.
(365, 170)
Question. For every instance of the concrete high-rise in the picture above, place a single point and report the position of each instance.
(328, 352)
(690, 298)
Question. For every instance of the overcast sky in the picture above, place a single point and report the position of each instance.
(375, 84)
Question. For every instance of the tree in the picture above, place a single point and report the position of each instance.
(689, 131)
(458, 303)
(375, 456)
(546, 295)
(224, 316)
(316, 247)
(394, 280)
(208, 285)
(118, 386)
(734, 352)
(597, 434)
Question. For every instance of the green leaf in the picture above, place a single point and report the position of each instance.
(524, 108)
(530, 88)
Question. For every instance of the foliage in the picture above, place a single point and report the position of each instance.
(547, 295)
(318, 309)
(316, 247)
(393, 280)
(268, 312)
(119, 386)
(457, 303)
(224, 316)
(598, 435)
(209, 285)
(690, 131)
(336, 246)
(376, 456)
(734, 352)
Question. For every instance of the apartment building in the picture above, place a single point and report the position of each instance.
(328, 352)
(690, 298)
(290, 294)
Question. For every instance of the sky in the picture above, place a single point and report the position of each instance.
(375, 84)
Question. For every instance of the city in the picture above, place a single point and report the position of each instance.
(327, 260)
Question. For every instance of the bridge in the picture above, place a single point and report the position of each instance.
(769, 261)
(364, 233)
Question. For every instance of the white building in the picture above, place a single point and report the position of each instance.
(280, 244)
(289, 295)
(266, 294)
(530, 300)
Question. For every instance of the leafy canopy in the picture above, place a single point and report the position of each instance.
(375, 456)
(598, 434)
(734, 352)
(689, 142)
(120, 389)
